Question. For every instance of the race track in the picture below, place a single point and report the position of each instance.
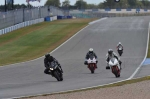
(28, 78)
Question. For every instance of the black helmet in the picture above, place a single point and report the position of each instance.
(110, 51)
(47, 55)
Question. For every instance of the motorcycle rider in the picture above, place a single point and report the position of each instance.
(90, 53)
(119, 45)
(47, 61)
(112, 54)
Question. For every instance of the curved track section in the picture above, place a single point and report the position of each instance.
(28, 78)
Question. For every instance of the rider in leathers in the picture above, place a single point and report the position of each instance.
(88, 56)
(47, 61)
(110, 55)
(119, 45)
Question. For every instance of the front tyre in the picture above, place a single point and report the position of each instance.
(57, 76)
(116, 72)
(92, 69)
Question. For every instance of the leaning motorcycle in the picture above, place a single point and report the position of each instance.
(120, 50)
(115, 67)
(92, 63)
(56, 71)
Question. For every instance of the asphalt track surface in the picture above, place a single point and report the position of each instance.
(28, 78)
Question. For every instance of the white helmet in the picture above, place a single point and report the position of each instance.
(91, 50)
(119, 42)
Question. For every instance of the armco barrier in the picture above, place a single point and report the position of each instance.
(48, 18)
(20, 25)
(69, 17)
(118, 9)
(54, 18)
(61, 17)
(0, 32)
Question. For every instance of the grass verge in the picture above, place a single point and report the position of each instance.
(34, 41)
(94, 88)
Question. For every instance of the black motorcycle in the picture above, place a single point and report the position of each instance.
(55, 71)
(120, 50)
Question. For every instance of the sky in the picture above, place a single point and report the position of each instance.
(72, 2)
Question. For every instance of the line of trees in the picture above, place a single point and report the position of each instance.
(82, 4)
(16, 6)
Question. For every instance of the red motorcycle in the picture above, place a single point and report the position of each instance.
(92, 64)
(115, 67)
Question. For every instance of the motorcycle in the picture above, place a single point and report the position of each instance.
(120, 50)
(115, 67)
(55, 71)
(92, 62)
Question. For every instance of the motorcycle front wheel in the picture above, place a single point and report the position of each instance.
(57, 76)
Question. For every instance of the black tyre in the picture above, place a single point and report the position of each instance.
(107, 67)
(92, 69)
(120, 53)
(56, 75)
(61, 79)
(115, 72)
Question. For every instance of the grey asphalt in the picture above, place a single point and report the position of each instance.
(144, 71)
(28, 78)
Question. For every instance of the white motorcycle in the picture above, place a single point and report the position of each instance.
(115, 67)
(92, 64)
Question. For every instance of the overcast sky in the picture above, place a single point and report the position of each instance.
(43, 2)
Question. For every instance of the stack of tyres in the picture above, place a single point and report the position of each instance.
(48, 18)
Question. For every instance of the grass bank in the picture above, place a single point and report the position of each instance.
(34, 41)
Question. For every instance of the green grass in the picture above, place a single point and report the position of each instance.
(36, 40)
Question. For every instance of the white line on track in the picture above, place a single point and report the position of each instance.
(144, 57)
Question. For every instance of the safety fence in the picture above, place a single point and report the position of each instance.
(24, 24)
(102, 14)
(17, 16)
(20, 25)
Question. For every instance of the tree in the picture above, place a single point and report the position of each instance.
(132, 3)
(91, 6)
(101, 5)
(122, 4)
(109, 4)
(145, 3)
(81, 4)
(53, 3)
(139, 4)
(66, 3)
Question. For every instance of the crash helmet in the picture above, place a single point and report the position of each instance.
(47, 55)
(110, 52)
(91, 50)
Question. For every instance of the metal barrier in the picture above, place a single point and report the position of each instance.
(14, 17)
(20, 25)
